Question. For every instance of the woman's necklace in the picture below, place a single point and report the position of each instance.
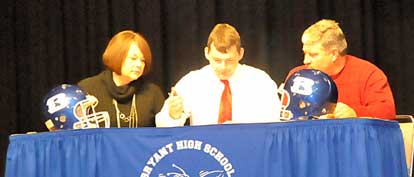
(132, 119)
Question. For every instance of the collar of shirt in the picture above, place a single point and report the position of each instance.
(236, 75)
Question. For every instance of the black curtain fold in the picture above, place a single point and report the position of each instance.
(49, 42)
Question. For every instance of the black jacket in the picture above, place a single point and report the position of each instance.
(149, 98)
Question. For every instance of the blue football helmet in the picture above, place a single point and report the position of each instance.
(308, 94)
(68, 107)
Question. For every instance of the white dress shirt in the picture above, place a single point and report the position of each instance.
(254, 98)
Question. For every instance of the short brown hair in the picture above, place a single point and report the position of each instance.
(224, 36)
(117, 50)
(328, 34)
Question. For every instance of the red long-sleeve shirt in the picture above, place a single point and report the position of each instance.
(363, 87)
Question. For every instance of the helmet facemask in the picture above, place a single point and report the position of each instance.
(88, 117)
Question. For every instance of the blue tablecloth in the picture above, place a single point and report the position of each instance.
(318, 148)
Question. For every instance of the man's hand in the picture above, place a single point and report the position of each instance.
(175, 104)
(344, 111)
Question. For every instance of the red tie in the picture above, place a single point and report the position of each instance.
(225, 104)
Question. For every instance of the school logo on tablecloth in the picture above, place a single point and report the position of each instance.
(188, 158)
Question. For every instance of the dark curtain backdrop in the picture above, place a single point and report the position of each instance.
(49, 42)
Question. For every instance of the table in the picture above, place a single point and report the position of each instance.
(320, 148)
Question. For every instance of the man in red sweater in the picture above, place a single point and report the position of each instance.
(363, 89)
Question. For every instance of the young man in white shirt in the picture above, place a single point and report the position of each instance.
(198, 95)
